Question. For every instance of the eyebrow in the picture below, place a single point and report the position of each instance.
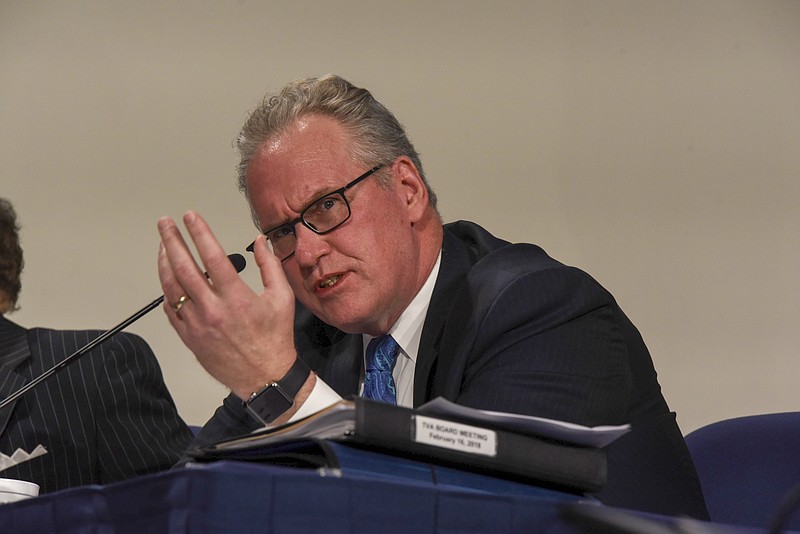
(318, 194)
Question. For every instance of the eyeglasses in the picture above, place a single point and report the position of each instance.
(322, 216)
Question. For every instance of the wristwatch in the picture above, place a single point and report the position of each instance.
(274, 399)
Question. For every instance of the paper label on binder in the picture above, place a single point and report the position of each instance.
(455, 436)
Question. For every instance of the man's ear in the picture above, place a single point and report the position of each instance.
(411, 187)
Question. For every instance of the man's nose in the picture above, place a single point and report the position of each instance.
(309, 246)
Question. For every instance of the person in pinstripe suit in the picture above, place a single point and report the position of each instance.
(105, 417)
(358, 250)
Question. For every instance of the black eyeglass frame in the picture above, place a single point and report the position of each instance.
(301, 219)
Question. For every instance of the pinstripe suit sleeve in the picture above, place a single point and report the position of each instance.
(107, 416)
(138, 427)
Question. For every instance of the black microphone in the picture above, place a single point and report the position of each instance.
(239, 264)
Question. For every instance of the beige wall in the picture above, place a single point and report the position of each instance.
(655, 144)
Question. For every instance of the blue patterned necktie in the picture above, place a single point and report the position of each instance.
(378, 381)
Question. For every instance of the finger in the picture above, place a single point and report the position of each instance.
(172, 291)
(184, 269)
(269, 266)
(169, 284)
(165, 276)
(219, 268)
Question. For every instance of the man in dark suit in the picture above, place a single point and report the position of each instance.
(395, 306)
(105, 417)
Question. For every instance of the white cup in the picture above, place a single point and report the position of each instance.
(12, 490)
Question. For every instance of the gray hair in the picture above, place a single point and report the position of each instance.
(378, 137)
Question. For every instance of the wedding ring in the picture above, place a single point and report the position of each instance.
(181, 301)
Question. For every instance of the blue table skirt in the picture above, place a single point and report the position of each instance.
(244, 497)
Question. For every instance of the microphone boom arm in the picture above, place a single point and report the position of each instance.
(83, 350)
(238, 262)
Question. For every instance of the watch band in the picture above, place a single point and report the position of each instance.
(275, 398)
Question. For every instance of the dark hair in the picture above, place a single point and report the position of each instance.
(11, 261)
(378, 137)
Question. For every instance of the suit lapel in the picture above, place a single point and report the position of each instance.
(334, 355)
(464, 243)
(456, 262)
(14, 350)
(343, 369)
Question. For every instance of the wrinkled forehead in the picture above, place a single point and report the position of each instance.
(289, 171)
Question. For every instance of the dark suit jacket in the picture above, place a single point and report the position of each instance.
(511, 329)
(107, 416)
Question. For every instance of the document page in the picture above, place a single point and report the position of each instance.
(598, 436)
(333, 422)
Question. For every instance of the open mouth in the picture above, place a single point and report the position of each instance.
(329, 281)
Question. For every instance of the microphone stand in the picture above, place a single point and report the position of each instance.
(83, 350)
(238, 262)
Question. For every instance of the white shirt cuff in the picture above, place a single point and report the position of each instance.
(321, 397)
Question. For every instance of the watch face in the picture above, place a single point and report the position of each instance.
(270, 403)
